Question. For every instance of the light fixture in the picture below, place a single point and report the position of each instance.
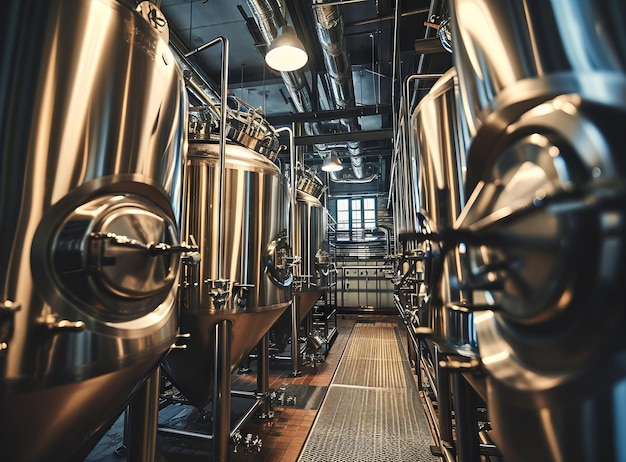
(332, 164)
(286, 52)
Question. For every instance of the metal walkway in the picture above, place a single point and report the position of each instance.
(372, 410)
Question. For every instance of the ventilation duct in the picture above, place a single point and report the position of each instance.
(270, 18)
(330, 35)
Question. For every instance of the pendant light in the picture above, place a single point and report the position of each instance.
(332, 164)
(286, 52)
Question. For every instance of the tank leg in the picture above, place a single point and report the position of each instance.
(141, 421)
(295, 332)
(467, 441)
(265, 411)
(221, 392)
(444, 404)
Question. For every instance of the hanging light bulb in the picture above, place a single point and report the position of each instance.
(332, 164)
(286, 52)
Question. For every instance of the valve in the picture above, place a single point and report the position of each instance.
(219, 291)
(250, 443)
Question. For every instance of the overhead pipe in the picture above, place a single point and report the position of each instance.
(270, 19)
(222, 329)
(330, 34)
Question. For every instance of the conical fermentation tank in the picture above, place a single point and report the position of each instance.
(439, 148)
(255, 258)
(310, 244)
(92, 139)
(311, 233)
(544, 84)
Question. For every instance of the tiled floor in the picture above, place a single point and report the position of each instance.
(282, 438)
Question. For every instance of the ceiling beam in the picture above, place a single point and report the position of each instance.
(428, 45)
(366, 135)
(333, 114)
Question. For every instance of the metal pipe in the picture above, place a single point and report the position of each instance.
(365, 22)
(407, 87)
(243, 393)
(409, 173)
(363, 267)
(331, 37)
(183, 432)
(222, 141)
(244, 418)
(394, 64)
(295, 315)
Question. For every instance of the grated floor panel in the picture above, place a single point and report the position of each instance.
(372, 410)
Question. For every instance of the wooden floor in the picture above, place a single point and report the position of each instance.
(282, 438)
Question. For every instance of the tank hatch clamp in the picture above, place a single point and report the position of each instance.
(153, 249)
(8, 309)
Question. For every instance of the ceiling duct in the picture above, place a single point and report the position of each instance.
(330, 35)
(270, 19)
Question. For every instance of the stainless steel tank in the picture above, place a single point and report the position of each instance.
(439, 149)
(255, 259)
(545, 219)
(311, 233)
(93, 112)
(310, 243)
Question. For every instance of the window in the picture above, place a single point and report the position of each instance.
(355, 215)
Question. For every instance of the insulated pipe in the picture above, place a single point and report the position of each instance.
(331, 37)
(270, 19)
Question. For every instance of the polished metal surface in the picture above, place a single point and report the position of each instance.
(502, 43)
(255, 260)
(439, 149)
(330, 33)
(310, 237)
(92, 141)
(544, 221)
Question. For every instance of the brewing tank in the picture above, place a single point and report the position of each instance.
(254, 260)
(545, 85)
(311, 233)
(439, 147)
(92, 139)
